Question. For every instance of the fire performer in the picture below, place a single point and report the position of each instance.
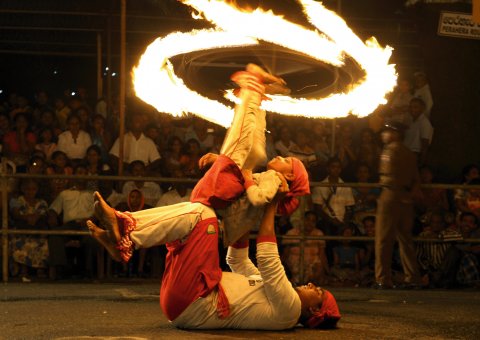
(190, 231)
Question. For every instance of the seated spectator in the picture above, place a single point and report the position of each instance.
(333, 204)
(75, 205)
(59, 166)
(94, 166)
(29, 212)
(368, 151)
(346, 260)
(461, 266)
(418, 136)
(175, 156)
(74, 142)
(48, 120)
(431, 199)
(136, 146)
(101, 136)
(178, 193)
(431, 255)
(46, 143)
(315, 264)
(365, 197)
(19, 143)
(469, 173)
(193, 153)
(151, 191)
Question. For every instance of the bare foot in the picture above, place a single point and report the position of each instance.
(107, 218)
(273, 84)
(104, 239)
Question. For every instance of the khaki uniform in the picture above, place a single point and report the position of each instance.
(395, 214)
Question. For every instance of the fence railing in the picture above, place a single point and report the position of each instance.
(6, 230)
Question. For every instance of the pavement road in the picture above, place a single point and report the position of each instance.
(131, 311)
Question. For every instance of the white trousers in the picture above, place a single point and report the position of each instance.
(160, 225)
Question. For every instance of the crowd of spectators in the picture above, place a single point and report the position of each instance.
(70, 135)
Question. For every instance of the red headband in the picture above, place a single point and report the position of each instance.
(328, 313)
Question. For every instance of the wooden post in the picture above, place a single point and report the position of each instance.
(123, 26)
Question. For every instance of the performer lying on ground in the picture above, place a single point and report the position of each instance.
(196, 294)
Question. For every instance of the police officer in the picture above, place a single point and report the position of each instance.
(395, 215)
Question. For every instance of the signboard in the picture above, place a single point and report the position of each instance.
(459, 25)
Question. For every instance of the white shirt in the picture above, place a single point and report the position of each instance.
(172, 197)
(75, 204)
(143, 149)
(340, 198)
(74, 149)
(260, 298)
(151, 191)
(418, 130)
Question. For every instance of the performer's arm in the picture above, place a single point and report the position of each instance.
(264, 190)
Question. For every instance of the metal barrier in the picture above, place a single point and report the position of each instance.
(4, 177)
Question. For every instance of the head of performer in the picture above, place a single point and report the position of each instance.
(319, 307)
(297, 177)
(393, 132)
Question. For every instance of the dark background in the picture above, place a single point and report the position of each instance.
(51, 44)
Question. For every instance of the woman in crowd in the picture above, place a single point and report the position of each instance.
(59, 166)
(46, 143)
(94, 166)
(29, 212)
(19, 144)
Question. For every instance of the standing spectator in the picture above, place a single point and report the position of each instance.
(422, 91)
(151, 191)
(399, 178)
(74, 142)
(315, 264)
(29, 212)
(76, 206)
(320, 142)
(202, 132)
(400, 102)
(302, 149)
(19, 144)
(345, 150)
(284, 145)
(334, 204)
(136, 146)
(419, 134)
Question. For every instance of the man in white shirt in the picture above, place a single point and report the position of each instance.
(76, 206)
(419, 134)
(422, 91)
(136, 146)
(151, 191)
(178, 193)
(333, 203)
(196, 294)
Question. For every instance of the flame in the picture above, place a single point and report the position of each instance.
(155, 81)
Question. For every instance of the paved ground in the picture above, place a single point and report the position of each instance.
(131, 311)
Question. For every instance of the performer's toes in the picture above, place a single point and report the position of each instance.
(103, 238)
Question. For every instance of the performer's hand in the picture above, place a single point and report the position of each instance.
(207, 159)
(283, 188)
